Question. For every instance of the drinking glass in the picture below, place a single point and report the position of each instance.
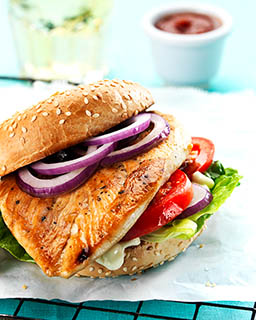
(60, 39)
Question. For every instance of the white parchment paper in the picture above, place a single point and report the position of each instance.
(224, 266)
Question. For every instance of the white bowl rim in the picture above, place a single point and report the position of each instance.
(154, 14)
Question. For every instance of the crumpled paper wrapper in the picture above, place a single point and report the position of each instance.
(221, 263)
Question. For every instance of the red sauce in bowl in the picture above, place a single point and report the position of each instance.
(188, 23)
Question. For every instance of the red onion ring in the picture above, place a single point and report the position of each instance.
(137, 124)
(77, 171)
(43, 188)
(92, 155)
(160, 131)
(201, 198)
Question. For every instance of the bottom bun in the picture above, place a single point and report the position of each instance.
(141, 257)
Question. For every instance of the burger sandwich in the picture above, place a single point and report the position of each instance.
(93, 184)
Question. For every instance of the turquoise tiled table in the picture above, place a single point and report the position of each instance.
(115, 310)
(130, 58)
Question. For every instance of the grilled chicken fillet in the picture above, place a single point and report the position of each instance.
(66, 233)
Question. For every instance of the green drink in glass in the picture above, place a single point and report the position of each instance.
(57, 39)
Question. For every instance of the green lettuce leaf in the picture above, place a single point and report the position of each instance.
(225, 182)
(9, 243)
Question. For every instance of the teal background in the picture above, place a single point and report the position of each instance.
(129, 57)
(129, 53)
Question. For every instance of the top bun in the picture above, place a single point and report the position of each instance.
(68, 118)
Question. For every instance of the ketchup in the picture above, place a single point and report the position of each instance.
(188, 23)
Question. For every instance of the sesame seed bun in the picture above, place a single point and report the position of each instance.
(67, 118)
(142, 257)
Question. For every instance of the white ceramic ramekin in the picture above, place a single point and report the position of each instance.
(187, 59)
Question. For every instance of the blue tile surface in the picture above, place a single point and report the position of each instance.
(91, 314)
(168, 308)
(114, 305)
(33, 309)
(216, 313)
(248, 304)
(8, 306)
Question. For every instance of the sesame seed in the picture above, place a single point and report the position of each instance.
(85, 93)
(45, 114)
(12, 135)
(68, 113)
(107, 273)
(100, 270)
(56, 103)
(114, 110)
(4, 168)
(86, 101)
(124, 115)
(161, 263)
(96, 115)
(136, 112)
(39, 110)
(25, 116)
(14, 125)
(10, 128)
(38, 106)
(88, 113)
(127, 82)
(23, 129)
(91, 269)
(157, 253)
(49, 100)
(33, 118)
(134, 259)
(61, 121)
(19, 118)
(113, 84)
(58, 111)
(134, 268)
(95, 98)
(68, 93)
(124, 269)
(5, 128)
(124, 106)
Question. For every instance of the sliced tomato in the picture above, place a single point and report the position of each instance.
(200, 157)
(172, 198)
